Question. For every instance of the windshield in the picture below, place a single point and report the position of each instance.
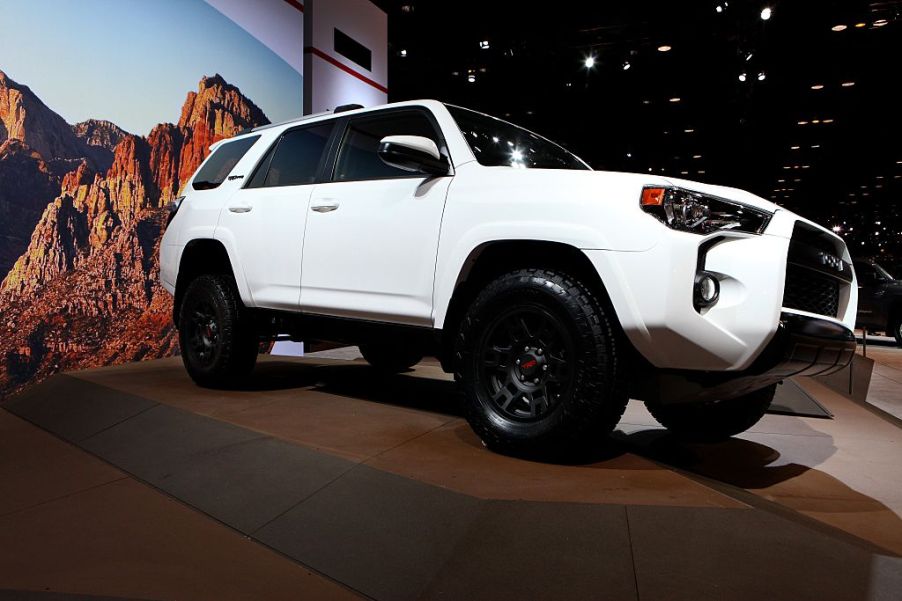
(497, 143)
(880, 270)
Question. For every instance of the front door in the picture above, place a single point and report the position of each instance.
(373, 230)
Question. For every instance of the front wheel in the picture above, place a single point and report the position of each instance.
(540, 364)
(714, 421)
(217, 338)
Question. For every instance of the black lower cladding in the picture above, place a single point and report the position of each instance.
(802, 346)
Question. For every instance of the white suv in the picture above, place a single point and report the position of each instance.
(553, 292)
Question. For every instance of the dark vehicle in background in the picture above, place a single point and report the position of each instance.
(879, 299)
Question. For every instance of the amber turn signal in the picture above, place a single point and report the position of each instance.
(653, 196)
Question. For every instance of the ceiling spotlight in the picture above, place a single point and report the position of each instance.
(626, 66)
(828, 121)
(664, 48)
(860, 25)
(817, 86)
(689, 131)
(762, 76)
(484, 44)
(675, 99)
(839, 27)
(696, 156)
(629, 155)
(718, 8)
(803, 123)
(742, 77)
(403, 52)
(794, 147)
(471, 78)
(880, 22)
(748, 57)
(589, 62)
(766, 13)
(848, 84)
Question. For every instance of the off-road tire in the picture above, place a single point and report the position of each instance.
(233, 345)
(713, 421)
(391, 358)
(579, 413)
(897, 328)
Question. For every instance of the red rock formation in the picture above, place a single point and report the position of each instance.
(86, 292)
(25, 118)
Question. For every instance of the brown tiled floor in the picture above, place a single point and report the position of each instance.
(71, 523)
(406, 498)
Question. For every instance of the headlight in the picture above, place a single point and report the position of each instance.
(701, 214)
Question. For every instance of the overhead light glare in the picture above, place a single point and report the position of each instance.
(471, 78)
(696, 156)
(860, 25)
(817, 86)
(742, 77)
(589, 62)
(484, 44)
(762, 76)
(766, 13)
(689, 131)
(848, 84)
(675, 99)
(626, 66)
(403, 52)
(880, 22)
(839, 27)
(718, 8)
(664, 48)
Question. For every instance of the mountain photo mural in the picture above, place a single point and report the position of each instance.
(106, 110)
(84, 291)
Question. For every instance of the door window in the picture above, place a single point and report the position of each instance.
(357, 158)
(295, 159)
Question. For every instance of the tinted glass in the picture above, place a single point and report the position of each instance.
(221, 163)
(296, 158)
(357, 158)
(497, 143)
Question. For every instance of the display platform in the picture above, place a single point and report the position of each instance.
(376, 482)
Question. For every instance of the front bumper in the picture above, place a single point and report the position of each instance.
(652, 295)
(802, 346)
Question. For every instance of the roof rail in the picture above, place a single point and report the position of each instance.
(346, 107)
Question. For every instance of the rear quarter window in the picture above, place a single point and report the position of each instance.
(221, 163)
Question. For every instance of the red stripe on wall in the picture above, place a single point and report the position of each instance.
(296, 4)
(345, 68)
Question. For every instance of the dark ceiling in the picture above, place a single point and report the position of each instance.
(830, 153)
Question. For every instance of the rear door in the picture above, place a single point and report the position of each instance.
(266, 218)
(373, 230)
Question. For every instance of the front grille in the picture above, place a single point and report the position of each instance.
(812, 291)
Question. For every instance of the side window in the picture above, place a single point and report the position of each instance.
(357, 158)
(866, 273)
(295, 159)
(221, 163)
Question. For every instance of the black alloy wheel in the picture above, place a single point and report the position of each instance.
(217, 336)
(540, 365)
(525, 368)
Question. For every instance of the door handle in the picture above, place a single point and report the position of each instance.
(241, 209)
(324, 206)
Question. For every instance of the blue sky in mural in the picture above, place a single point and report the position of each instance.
(133, 61)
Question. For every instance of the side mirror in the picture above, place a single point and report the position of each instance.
(412, 153)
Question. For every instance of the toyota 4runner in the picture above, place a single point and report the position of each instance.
(553, 292)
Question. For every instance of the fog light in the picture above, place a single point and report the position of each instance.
(707, 289)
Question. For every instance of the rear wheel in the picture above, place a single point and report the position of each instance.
(540, 364)
(392, 358)
(897, 329)
(218, 341)
(714, 421)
